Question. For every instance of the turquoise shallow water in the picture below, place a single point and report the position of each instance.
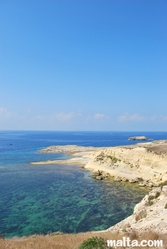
(62, 198)
(49, 198)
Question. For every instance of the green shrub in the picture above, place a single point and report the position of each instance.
(93, 243)
(100, 157)
(113, 159)
(165, 205)
(157, 194)
(150, 199)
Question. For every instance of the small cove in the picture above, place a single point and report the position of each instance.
(62, 198)
(49, 198)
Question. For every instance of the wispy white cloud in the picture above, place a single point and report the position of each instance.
(69, 120)
(100, 116)
(131, 117)
(163, 117)
(3, 111)
(65, 116)
(5, 114)
(62, 116)
(141, 118)
(154, 118)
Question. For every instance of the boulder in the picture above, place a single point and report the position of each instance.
(132, 180)
(106, 176)
(150, 184)
(97, 173)
(99, 178)
(117, 178)
(124, 179)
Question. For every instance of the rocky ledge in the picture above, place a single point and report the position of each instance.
(102, 175)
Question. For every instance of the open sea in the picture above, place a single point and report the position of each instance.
(49, 198)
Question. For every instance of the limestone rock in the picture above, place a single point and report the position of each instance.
(147, 217)
(142, 213)
(124, 179)
(164, 190)
(132, 180)
(99, 177)
(117, 178)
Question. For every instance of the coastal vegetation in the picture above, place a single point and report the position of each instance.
(102, 157)
(113, 159)
(152, 197)
(94, 243)
(76, 241)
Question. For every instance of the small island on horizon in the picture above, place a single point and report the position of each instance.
(143, 138)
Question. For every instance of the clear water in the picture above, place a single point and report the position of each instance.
(49, 198)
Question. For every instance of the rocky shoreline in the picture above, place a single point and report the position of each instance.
(100, 175)
(143, 163)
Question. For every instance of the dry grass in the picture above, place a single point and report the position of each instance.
(64, 241)
(72, 241)
(158, 149)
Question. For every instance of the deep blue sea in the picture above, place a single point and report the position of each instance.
(48, 198)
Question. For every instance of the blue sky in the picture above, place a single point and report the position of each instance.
(83, 65)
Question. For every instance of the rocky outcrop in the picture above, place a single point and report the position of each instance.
(100, 175)
(132, 163)
(149, 215)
